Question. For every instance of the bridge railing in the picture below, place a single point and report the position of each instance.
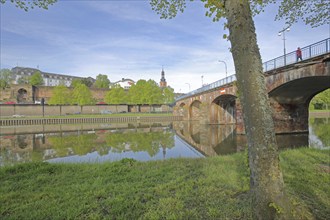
(310, 51)
(216, 84)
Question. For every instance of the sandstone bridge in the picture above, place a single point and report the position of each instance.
(290, 88)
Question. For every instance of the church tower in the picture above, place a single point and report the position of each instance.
(163, 82)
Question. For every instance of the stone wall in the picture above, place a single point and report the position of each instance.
(11, 94)
(54, 110)
(37, 93)
(46, 92)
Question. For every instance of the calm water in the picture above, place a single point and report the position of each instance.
(157, 141)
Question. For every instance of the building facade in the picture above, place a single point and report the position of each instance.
(50, 79)
(124, 83)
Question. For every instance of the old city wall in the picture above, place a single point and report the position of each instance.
(11, 94)
(46, 92)
(37, 93)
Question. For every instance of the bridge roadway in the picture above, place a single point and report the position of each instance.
(290, 88)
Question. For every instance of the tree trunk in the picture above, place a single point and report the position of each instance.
(266, 181)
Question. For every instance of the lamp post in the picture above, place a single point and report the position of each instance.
(189, 86)
(282, 32)
(221, 61)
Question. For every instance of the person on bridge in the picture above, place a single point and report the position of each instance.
(298, 54)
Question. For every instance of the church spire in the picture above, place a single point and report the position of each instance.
(163, 82)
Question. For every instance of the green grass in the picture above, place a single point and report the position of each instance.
(319, 110)
(210, 188)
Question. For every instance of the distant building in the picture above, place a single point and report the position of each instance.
(50, 79)
(124, 83)
(163, 82)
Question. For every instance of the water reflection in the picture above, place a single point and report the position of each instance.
(222, 139)
(110, 142)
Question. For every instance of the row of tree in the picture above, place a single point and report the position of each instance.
(143, 92)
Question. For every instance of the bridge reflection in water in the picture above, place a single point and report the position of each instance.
(212, 140)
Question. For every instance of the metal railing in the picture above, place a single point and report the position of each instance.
(313, 50)
(308, 52)
(216, 84)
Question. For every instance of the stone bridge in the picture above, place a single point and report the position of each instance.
(290, 89)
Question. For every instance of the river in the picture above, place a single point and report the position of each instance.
(94, 143)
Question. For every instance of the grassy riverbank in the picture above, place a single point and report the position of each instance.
(210, 188)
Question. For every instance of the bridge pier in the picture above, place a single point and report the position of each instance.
(290, 118)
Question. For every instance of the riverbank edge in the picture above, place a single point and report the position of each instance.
(208, 188)
(115, 118)
(90, 119)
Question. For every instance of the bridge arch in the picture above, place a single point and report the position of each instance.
(223, 109)
(300, 91)
(195, 110)
(22, 95)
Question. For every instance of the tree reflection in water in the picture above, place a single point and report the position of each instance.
(157, 140)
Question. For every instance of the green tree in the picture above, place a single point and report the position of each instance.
(75, 82)
(137, 94)
(36, 79)
(31, 4)
(321, 100)
(85, 81)
(269, 197)
(313, 13)
(116, 95)
(153, 93)
(102, 82)
(88, 81)
(5, 78)
(61, 96)
(168, 95)
(81, 95)
(145, 92)
(23, 80)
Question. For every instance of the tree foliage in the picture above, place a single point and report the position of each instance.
(5, 78)
(313, 13)
(102, 82)
(153, 93)
(61, 96)
(82, 95)
(137, 93)
(87, 81)
(116, 95)
(168, 95)
(30, 4)
(321, 100)
(36, 79)
(75, 82)
(23, 80)
(143, 92)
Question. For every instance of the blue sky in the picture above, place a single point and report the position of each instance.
(126, 39)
